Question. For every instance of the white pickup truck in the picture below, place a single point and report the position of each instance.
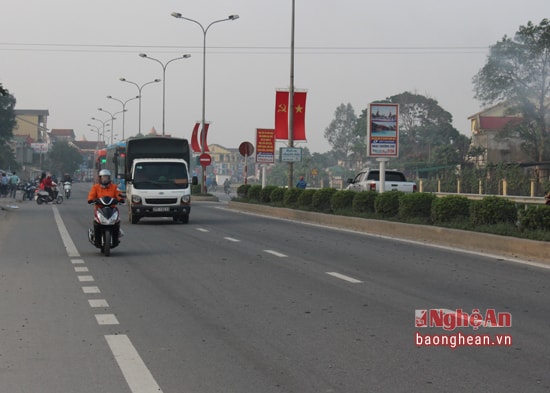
(369, 180)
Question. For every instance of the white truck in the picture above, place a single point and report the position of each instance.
(369, 180)
(158, 179)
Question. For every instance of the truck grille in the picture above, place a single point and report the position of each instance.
(160, 201)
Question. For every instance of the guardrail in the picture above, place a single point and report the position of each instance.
(517, 199)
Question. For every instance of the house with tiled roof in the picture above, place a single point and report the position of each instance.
(62, 134)
(487, 129)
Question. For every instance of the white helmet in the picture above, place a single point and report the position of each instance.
(105, 172)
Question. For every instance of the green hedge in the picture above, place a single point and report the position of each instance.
(277, 196)
(536, 218)
(254, 193)
(291, 197)
(492, 210)
(363, 202)
(450, 208)
(320, 201)
(242, 190)
(305, 199)
(387, 203)
(416, 205)
(342, 200)
(265, 193)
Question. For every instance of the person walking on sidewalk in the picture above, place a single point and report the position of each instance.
(14, 182)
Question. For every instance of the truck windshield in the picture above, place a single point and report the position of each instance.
(160, 175)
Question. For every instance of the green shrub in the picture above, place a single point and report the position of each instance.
(387, 203)
(254, 193)
(291, 196)
(321, 200)
(305, 199)
(265, 193)
(416, 205)
(491, 210)
(277, 196)
(450, 208)
(342, 200)
(242, 190)
(363, 202)
(536, 218)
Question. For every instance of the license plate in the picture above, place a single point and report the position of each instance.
(161, 209)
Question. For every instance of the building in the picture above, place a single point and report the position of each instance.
(487, 134)
(62, 134)
(32, 123)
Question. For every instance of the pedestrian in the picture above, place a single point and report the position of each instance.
(14, 181)
(4, 185)
(301, 183)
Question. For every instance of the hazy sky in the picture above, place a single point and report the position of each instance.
(68, 55)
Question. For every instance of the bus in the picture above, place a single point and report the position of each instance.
(115, 162)
(100, 160)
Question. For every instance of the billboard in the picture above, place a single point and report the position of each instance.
(265, 146)
(383, 130)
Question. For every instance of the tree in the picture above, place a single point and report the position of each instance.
(7, 124)
(517, 72)
(341, 133)
(64, 158)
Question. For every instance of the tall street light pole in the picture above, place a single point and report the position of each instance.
(139, 90)
(123, 109)
(103, 124)
(113, 118)
(164, 65)
(203, 121)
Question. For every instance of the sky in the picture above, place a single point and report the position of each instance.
(67, 56)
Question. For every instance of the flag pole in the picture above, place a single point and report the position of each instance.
(291, 102)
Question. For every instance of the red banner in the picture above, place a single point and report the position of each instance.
(205, 136)
(281, 115)
(195, 143)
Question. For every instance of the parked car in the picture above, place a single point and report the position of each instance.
(369, 180)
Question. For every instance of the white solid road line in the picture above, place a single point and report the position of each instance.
(67, 241)
(135, 372)
(344, 277)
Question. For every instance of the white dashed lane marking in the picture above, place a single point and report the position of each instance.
(344, 277)
(106, 319)
(277, 254)
(98, 303)
(91, 290)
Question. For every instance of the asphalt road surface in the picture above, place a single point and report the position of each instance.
(233, 302)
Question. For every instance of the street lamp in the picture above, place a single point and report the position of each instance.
(144, 55)
(113, 118)
(123, 109)
(96, 130)
(139, 90)
(103, 124)
(203, 121)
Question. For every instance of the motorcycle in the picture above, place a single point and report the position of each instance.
(28, 189)
(106, 225)
(43, 196)
(67, 185)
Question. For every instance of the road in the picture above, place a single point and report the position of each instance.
(238, 303)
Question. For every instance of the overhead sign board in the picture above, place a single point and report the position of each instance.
(290, 154)
(383, 130)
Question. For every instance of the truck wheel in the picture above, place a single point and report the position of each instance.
(132, 217)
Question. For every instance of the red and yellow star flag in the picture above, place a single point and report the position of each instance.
(281, 115)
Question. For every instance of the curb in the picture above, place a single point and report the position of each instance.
(503, 246)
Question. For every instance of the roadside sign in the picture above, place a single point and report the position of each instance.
(290, 154)
(205, 159)
(246, 149)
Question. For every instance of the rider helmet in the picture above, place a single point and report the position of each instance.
(104, 177)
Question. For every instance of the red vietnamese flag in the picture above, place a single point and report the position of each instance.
(300, 116)
(194, 142)
(281, 115)
(205, 136)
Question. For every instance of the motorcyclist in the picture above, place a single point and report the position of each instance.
(102, 189)
(67, 177)
(47, 184)
(226, 185)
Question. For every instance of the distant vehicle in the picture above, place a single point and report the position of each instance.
(158, 182)
(369, 180)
